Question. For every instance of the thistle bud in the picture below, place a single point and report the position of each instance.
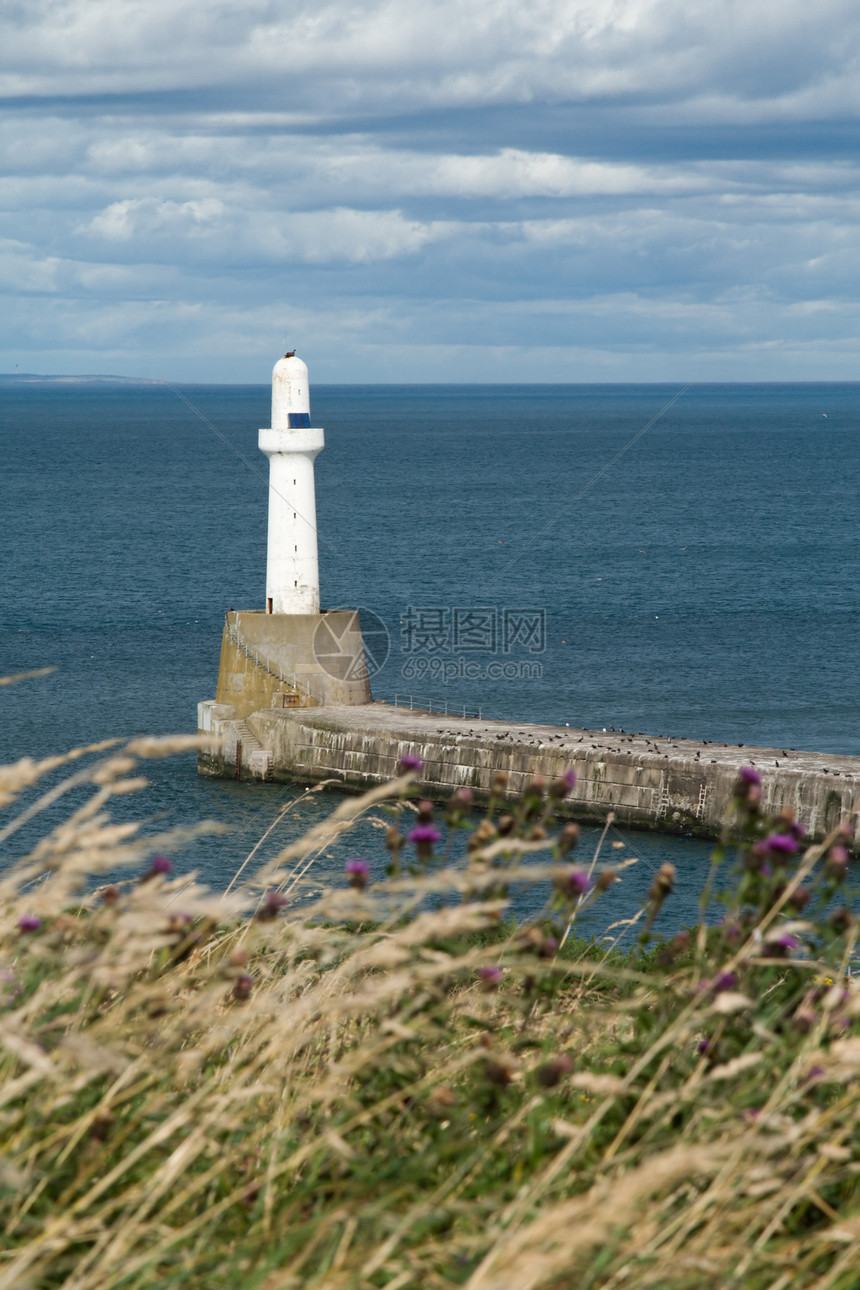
(554, 1071)
(836, 865)
(568, 838)
(242, 986)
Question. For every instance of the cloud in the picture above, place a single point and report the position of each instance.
(180, 181)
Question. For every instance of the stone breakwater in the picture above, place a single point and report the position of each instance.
(667, 785)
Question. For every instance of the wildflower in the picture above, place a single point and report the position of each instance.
(678, 945)
(425, 811)
(573, 883)
(424, 837)
(565, 784)
(409, 762)
(358, 873)
(804, 1018)
(703, 1046)
(781, 945)
(273, 902)
(29, 923)
(500, 1073)
(568, 838)
(547, 949)
(242, 986)
(846, 828)
(799, 898)
(500, 781)
(491, 977)
(461, 802)
(159, 868)
(836, 865)
(554, 1071)
(605, 880)
(725, 981)
(748, 775)
(110, 895)
(536, 787)
(841, 919)
(777, 845)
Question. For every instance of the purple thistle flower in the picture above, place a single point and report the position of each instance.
(564, 784)
(836, 866)
(273, 902)
(491, 977)
(242, 986)
(548, 948)
(725, 981)
(29, 923)
(409, 762)
(358, 872)
(797, 831)
(780, 844)
(781, 946)
(748, 776)
(159, 868)
(424, 836)
(799, 898)
(573, 884)
(703, 1046)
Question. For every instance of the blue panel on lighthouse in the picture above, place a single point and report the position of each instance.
(298, 420)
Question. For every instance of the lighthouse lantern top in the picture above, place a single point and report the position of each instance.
(291, 399)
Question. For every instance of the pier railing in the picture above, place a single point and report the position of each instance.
(444, 707)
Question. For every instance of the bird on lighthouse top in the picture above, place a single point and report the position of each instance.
(291, 398)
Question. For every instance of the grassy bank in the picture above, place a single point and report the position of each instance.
(391, 1085)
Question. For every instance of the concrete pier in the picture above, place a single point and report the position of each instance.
(667, 785)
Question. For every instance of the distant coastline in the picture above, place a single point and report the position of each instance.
(34, 378)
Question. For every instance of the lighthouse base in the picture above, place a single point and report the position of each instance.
(278, 661)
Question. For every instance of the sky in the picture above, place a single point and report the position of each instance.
(456, 190)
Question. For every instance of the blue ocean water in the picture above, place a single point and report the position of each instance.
(703, 582)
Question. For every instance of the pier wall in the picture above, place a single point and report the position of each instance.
(671, 786)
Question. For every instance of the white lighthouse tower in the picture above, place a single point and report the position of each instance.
(288, 655)
(291, 445)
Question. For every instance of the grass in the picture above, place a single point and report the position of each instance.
(373, 1089)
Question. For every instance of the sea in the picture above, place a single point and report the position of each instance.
(676, 560)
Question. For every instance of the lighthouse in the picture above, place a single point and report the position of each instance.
(291, 445)
(289, 655)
